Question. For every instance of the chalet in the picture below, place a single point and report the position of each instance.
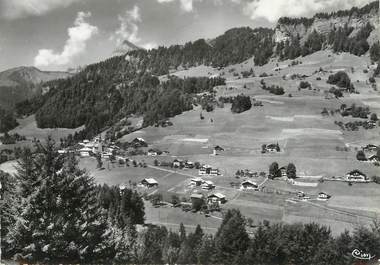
(97, 148)
(370, 148)
(204, 170)
(149, 182)
(218, 148)
(152, 152)
(106, 155)
(189, 164)
(208, 185)
(356, 176)
(216, 197)
(214, 172)
(374, 159)
(323, 196)
(249, 185)
(138, 142)
(85, 152)
(300, 194)
(178, 163)
(272, 148)
(283, 172)
(197, 181)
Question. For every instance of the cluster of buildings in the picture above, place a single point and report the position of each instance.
(322, 196)
(88, 148)
(204, 184)
(214, 198)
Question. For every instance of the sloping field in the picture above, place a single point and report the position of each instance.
(28, 128)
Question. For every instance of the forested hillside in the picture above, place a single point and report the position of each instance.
(108, 91)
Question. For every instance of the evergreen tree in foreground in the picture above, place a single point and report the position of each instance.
(60, 219)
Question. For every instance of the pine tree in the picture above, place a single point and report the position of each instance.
(291, 171)
(60, 219)
(232, 239)
(8, 212)
(206, 251)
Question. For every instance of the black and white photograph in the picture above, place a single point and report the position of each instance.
(219, 132)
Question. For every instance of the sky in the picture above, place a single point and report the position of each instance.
(63, 34)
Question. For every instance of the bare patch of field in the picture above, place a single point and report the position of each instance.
(28, 128)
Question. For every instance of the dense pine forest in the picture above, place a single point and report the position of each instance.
(53, 212)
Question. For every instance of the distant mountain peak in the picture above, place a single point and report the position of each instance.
(20, 83)
(125, 47)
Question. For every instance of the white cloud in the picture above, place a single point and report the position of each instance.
(129, 29)
(79, 34)
(274, 9)
(186, 5)
(12, 9)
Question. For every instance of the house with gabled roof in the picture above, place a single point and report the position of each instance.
(217, 197)
(149, 182)
(249, 185)
(356, 176)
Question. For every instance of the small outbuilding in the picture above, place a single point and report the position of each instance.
(249, 185)
(149, 182)
(217, 197)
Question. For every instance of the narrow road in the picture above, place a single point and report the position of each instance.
(172, 171)
(339, 211)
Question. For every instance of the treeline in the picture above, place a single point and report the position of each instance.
(105, 92)
(354, 11)
(234, 46)
(52, 212)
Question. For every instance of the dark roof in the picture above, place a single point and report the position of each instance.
(356, 171)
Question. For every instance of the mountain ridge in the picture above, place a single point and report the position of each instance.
(23, 82)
